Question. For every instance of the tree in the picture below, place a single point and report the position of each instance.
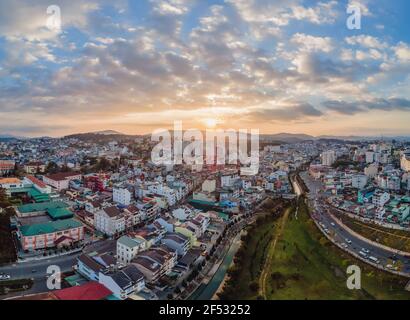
(52, 167)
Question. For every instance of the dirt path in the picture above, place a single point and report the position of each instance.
(268, 262)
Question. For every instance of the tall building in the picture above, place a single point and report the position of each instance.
(405, 161)
(369, 156)
(121, 196)
(328, 158)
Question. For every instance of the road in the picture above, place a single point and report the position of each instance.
(337, 230)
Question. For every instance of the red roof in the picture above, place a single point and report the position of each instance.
(36, 181)
(90, 291)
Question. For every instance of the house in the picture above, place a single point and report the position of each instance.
(380, 198)
(89, 267)
(129, 247)
(9, 183)
(6, 166)
(123, 283)
(155, 262)
(39, 185)
(200, 224)
(90, 291)
(109, 221)
(176, 242)
(61, 181)
(35, 167)
(122, 196)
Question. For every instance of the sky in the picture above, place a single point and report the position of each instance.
(137, 66)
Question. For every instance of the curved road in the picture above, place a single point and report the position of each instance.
(338, 232)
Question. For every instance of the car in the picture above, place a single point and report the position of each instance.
(348, 241)
(332, 224)
(365, 250)
(344, 245)
(5, 277)
(374, 259)
(363, 254)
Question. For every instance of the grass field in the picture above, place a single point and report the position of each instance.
(304, 265)
(307, 266)
(397, 239)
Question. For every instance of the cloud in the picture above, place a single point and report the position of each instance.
(310, 43)
(351, 108)
(284, 111)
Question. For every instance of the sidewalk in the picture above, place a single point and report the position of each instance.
(41, 257)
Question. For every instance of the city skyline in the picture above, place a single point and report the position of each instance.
(285, 66)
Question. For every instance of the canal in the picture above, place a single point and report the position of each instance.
(207, 291)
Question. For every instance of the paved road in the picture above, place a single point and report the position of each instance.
(38, 269)
(341, 235)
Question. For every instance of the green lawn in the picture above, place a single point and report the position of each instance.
(397, 239)
(248, 262)
(307, 266)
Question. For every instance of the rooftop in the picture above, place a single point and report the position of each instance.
(49, 227)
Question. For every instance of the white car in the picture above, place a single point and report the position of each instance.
(363, 254)
(348, 241)
(374, 259)
(365, 250)
(4, 277)
(344, 245)
(332, 224)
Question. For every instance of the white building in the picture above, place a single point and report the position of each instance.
(121, 196)
(380, 198)
(328, 158)
(405, 161)
(359, 181)
(369, 156)
(61, 181)
(124, 282)
(128, 248)
(209, 186)
(109, 221)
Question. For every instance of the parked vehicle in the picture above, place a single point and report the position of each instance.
(4, 277)
(374, 259)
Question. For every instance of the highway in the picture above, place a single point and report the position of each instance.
(351, 243)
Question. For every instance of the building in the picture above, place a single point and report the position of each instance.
(6, 167)
(328, 158)
(405, 161)
(176, 242)
(61, 181)
(34, 167)
(380, 198)
(90, 291)
(121, 196)
(370, 156)
(359, 181)
(128, 248)
(123, 283)
(51, 234)
(9, 183)
(209, 186)
(109, 221)
(155, 262)
(372, 170)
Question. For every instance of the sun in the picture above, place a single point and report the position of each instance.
(210, 122)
